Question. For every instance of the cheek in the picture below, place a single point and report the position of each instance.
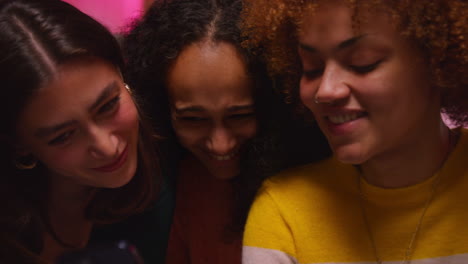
(403, 81)
(307, 93)
(187, 136)
(127, 117)
(390, 93)
(377, 93)
(64, 159)
(250, 129)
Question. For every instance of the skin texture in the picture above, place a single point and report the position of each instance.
(376, 78)
(212, 106)
(439, 26)
(91, 137)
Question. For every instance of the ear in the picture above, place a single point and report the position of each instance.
(24, 160)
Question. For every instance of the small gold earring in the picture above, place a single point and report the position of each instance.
(128, 88)
(26, 163)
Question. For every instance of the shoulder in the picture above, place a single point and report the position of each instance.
(456, 162)
(297, 187)
(290, 199)
(327, 171)
(463, 137)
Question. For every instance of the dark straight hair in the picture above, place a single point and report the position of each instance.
(36, 38)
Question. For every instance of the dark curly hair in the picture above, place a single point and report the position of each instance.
(439, 28)
(36, 38)
(154, 44)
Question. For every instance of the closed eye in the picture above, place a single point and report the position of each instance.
(110, 105)
(61, 139)
(363, 69)
(242, 115)
(312, 74)
(191, 118)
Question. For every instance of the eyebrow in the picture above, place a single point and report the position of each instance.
(196, 108)
(241, 107)
(340, 46)
(107, 91)
(188, 109)
(44, 131)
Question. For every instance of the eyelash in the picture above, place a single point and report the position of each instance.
(109, 105)
(242, 116)
(312, 74)
(198, 119)
(365, 68)
(62, 138)
(358, 69)
(191, 118)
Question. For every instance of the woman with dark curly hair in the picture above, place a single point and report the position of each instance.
(75, 152)
(212, 101)
(376, 75)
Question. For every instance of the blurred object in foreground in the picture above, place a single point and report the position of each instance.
(114, 14)
(119, 253)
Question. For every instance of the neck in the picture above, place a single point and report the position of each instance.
(415, 161)
(66, 206)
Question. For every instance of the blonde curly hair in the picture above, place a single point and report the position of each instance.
(438, 27)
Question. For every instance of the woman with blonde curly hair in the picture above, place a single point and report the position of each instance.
(376, 75)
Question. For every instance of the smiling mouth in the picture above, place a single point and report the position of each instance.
(119, 162)
(224, 157)
(343, 118)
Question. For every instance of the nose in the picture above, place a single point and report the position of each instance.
(221, 141)
(103, 143)
(332, 86)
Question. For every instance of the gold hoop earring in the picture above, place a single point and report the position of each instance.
(26, 163)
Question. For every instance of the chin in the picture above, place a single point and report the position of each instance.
(123, 178)
(350, 154)
(121, 181)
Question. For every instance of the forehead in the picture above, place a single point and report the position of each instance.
(330, 22)
(69, 94)
(209, 74)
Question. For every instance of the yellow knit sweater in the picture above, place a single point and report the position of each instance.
(312, 214)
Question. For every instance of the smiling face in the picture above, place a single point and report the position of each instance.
(212, 106)
(369, 91)
(83, 126)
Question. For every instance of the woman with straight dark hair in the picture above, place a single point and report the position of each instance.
(75, 151)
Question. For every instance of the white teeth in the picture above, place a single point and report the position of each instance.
(223, 157)
(340, 119)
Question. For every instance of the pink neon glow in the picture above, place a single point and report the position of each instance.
(114, 14)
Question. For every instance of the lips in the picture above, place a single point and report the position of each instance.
(338, 119)
(225, 157)
(340, 122)
(116, 164)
